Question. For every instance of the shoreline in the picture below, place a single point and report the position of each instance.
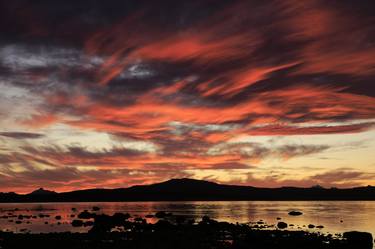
(119, 231)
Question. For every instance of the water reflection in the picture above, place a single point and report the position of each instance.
(335, 216)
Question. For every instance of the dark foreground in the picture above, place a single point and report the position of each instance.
(117, 231)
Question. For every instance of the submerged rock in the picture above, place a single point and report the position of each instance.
(295, 213)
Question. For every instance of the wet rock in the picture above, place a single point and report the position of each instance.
(86, 215)
(361, 240)
(95, 208)
(121, 216)
(77, 223)
(88, 223)
(295, 213)
(282, 225)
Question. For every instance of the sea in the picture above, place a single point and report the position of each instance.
(334, 216)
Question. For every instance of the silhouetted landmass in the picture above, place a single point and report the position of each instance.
(193, 190)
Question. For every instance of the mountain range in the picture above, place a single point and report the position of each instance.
(193, 190)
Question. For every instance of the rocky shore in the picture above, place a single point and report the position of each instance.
(122, 231)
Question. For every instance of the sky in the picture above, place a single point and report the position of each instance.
(115, 93)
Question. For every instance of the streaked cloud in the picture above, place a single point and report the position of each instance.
(196, 90)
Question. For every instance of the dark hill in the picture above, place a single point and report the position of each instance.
(193, 190)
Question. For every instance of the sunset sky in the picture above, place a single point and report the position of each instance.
(108, 94)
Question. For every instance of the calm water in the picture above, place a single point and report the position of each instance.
(355, 215)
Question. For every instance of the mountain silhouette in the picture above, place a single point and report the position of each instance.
(193, 190)
(42, 191)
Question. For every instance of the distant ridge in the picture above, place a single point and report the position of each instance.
(193, 190)
(42, 191)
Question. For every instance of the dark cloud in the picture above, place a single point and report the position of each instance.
(21, 135)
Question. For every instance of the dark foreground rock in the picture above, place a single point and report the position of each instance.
(363, 240)
(116, 231)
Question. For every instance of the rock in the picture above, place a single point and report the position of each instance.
(58, 217)
(311, 226)
(86, 215)
(121, 216)
(282, 225)
(77, 223)
(320, 226)
(74, 209)
(295, 213)
(149, 216)
(278, 218)
(18, 222)
(95, 208)
(88, 223)
(360, 240)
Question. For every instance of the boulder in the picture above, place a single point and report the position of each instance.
(86, 215)
(282, 225)
(360, 240)
(95, 208)
(77, 223)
